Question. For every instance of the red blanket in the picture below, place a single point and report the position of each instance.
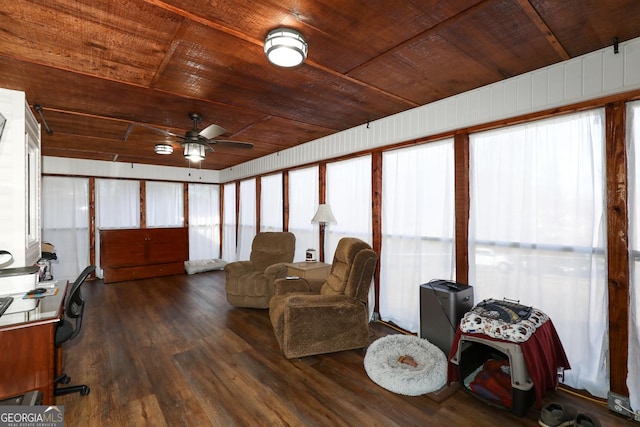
(493, 383)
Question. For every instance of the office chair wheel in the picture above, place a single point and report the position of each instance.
(63, 379)
(85, 390)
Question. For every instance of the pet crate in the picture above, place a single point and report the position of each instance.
(482, 365)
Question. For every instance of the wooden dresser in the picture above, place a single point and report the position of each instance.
(140, 253)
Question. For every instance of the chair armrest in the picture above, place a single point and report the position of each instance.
(315, 285)
(238, 268)
(317, 323)
(276, 271)
(285, 286)
(324, 302)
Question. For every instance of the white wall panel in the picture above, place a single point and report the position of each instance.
(539, 88)
(573, 76)
(511, 95)
(65, 166)
(525, 92)
(592, 83)
(450, 112)
(497, 101)
(556, 82)
(631, 61)
(472, 104)
(613, 70)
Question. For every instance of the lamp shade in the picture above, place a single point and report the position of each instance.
(163, 149)
(285, 47)
(324, 215)
(194, 151)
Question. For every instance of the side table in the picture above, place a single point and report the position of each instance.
(309, 270)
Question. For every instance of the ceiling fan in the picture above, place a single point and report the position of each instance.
(194, 142)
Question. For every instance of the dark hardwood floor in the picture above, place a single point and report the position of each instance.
(172, 352)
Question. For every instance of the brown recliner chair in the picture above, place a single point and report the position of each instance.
(250, 283)
(324, 317)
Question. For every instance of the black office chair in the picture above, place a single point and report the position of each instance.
(68, 329)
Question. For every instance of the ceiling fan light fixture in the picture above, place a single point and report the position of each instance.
(194, 151)
(163, 149)
(285, 47)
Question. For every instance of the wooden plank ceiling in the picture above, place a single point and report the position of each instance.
(97, 66)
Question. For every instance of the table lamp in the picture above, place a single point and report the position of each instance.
(323, 217)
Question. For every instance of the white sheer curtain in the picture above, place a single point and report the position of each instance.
(65, 224)
(633, 147)
(165, 204)
(204, 221)
(417, 227)
(246, 218)
(271, 203)
(303, 202)
(117, 206)
(229, 252)
(349, 195)
(537, 231)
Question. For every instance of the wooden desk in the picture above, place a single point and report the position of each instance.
(309, 270)
(27, 346)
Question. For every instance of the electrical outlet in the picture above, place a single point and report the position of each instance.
(621, 405)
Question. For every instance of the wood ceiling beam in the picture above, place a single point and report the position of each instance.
(526, 7)
(537, 20)
(421, 35)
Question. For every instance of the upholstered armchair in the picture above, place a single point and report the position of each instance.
(324, 317)
(250, 283)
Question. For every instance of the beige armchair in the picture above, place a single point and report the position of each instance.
(250, 283)
(324, 317)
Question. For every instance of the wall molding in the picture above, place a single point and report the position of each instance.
(104, 169)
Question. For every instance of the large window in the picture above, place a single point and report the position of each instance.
(271, 203)
(65, 223)
(303, 202)
(537, 231)
(633, 149)
(164, 204)
(204, 221)
(349, 195)
(417, 227)
(117, 206)
(246, 218)
(229, 223)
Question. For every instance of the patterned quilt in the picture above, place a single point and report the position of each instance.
(503, 320)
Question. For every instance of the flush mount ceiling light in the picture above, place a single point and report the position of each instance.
(194, 151)
(285, 47)
(163, 149)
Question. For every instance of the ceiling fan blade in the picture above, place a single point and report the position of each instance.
(232, 144)
(212, 131)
